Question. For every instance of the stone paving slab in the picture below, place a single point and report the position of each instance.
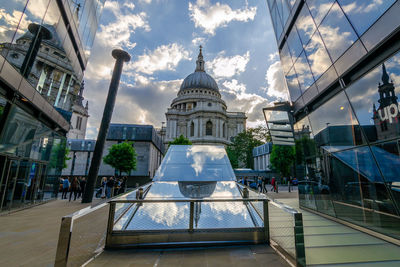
(246, 256)
(29, 237)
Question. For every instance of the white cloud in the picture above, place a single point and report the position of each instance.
(237, 99)
(210, 17)
(119, 31)
(164, 57)
(199, 41)
(273, 56)
(228, 66)
(276, 81)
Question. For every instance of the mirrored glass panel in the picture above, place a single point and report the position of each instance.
(293, 85)
(337, 32)
(317, 56)
(276, 21)
(286, 59)
(319, 9)
(195, 163)
(363, 13)
(303, 71)
(375, 101)
(305, 25)
(334, 123)
(294, 43)
(283, 10)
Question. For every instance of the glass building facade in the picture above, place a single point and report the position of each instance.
(341, 60)
(44, 48)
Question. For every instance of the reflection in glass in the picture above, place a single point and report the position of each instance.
(303, 72)
(335, 124)
(317, 56)
(337, 32)
(276, 21)
(294, 43)
(293, 85)
(363, 14)
(195, 163)
(305, 25)
(283, 10)
(319, 9)
(375, 101)
(286, 59)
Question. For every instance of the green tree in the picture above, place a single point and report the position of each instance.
(181, 140)
(282, 158)
(240, 152)
(59, 156)
(122, 157)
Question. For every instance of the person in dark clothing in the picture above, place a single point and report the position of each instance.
(122, 186)
(74, 188)
(82, 184)
(110, 186)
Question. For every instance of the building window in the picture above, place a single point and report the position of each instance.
(192, 129)
(78, 123)
(209, 104)
(209, 127)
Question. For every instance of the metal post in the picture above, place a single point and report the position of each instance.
(39, 33)
(64, 240)
(266, 220)
(121, 57)
(299, 240)
(110, 224)
(191, 216)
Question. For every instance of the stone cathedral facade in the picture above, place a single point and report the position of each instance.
(199, 113)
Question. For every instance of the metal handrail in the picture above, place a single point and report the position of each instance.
(158, 200)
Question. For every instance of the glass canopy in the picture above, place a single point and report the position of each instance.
(195, 163)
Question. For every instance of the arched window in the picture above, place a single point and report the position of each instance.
(209, 127)
(192, 129)
(223, 131)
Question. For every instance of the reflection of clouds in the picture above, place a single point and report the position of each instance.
(305, 25)
(13, 20)
(319, 8)
(168, 214)
(360, 7)
(336, 32)
(317, 56)
(201, 153)
(303, 72)
(221, 209)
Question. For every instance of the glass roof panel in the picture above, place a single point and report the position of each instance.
(195, 163)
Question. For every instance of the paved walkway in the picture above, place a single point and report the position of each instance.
(246, 256)
(29, 237)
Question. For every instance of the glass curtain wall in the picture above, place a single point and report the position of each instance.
(312, 51)
(31, 158)
(349, 148)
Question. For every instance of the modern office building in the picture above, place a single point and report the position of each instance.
(261, 156)
(44, 51)
(147, 143)
(341, 60)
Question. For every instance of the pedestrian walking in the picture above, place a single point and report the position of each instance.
(122, 186)
(259, 184)
(103, 187)
(74, 188)
(82, 185)
(65, 188)
(109, 187)
(264, 184)
(273, 184)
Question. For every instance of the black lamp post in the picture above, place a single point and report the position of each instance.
(121, 57)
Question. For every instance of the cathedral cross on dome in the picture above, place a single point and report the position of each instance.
(200, 61)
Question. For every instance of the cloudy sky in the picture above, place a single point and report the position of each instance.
(163, 36)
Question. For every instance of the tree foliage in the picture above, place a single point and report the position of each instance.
(59, 156)
(240, 152)
(282, 158)
(181, 140)
(122, 157)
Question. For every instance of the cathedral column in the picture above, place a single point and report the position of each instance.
(201, 127)
(196, 127)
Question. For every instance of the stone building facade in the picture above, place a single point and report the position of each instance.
(199, 113)
(147, 143)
